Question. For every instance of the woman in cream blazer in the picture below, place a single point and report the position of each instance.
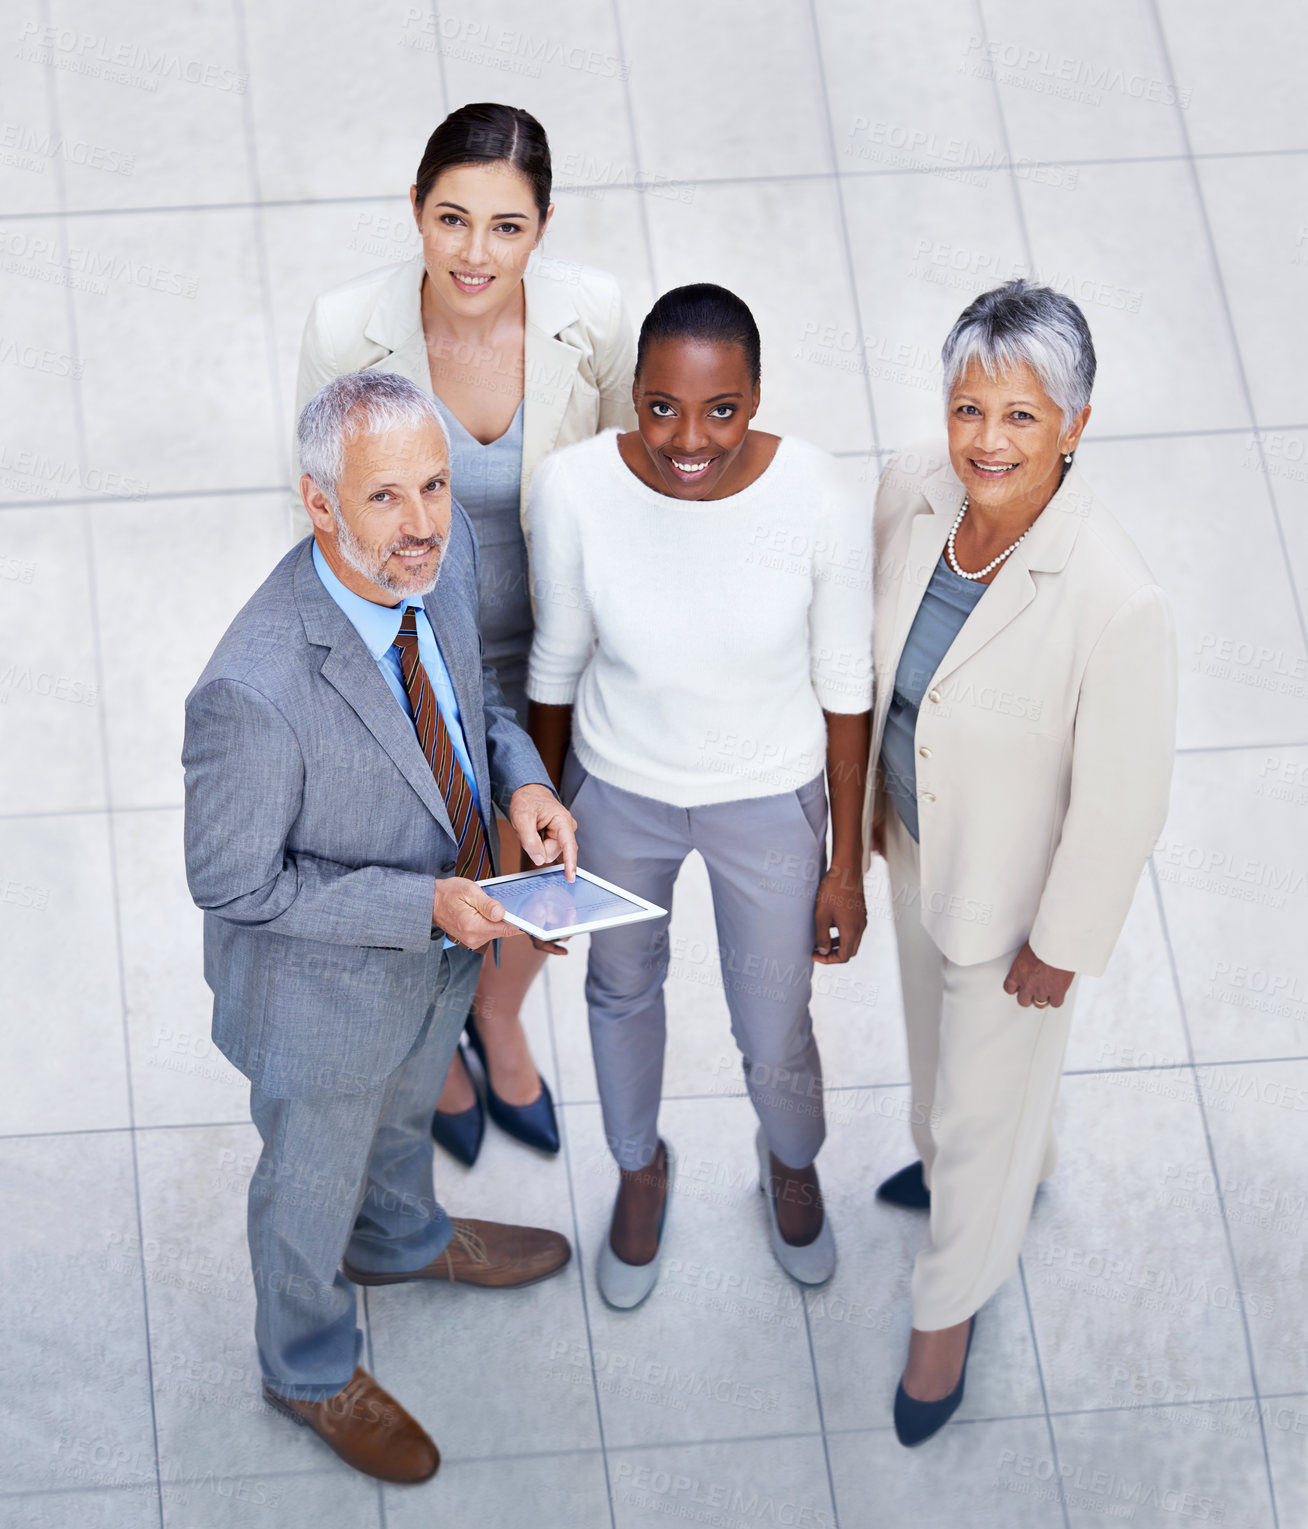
(522, 354)
(1022, 746)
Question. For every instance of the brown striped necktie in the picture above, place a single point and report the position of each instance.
(473, 859)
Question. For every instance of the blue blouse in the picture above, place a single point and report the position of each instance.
(946, 605)
(485, 481)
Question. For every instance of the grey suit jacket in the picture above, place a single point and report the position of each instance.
(315, 830)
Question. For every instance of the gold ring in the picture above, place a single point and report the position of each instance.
(1040, 1003)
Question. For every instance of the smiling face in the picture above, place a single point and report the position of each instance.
(386, 539)
(1007, 440)
(479, 224)
(694, 401)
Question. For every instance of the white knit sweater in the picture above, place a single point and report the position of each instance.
(700, 642)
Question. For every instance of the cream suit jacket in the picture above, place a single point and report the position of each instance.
(579, 353)
(1044, 742)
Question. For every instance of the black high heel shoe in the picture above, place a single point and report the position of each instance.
(906, 1188)
(460, 1131)
(532, 1124)
(916, 1421)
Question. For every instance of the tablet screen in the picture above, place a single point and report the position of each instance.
(552, 902)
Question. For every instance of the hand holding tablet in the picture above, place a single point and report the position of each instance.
(545, 904)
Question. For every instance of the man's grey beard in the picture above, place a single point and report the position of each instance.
(363, 562)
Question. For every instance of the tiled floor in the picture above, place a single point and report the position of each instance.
(177, 183)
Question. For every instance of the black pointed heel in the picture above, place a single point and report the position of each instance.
(906, 1188)
(532, 1124)
(916, 1421)
(460, 1132)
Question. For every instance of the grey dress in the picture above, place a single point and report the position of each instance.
(486, 481)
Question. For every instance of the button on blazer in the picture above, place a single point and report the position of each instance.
(579, 353)
(1045, 739)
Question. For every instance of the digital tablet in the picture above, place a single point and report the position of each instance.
(545, 903)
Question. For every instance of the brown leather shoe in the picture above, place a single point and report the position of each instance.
(368, 1429)
(488, 1253)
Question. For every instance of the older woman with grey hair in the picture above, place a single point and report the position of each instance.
(1022, 747)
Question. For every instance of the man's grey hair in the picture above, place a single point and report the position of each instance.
(358, 403)
(1021, 322)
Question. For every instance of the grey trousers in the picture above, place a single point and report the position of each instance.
(765, 857)
(347, 1173)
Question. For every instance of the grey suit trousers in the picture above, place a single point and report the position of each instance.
(765, 857)
(348, 1174)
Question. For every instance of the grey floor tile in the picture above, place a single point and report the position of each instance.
(860, 1322)
(1157, 1469)
(800, 296)
(564, 65)
(493, 1372)
(746, 1481)
(1242, 669)
(117, 1507)
(63, 1035)
(39, 371)
(203, 559)
(177, 293)
(1287, 1447)
(922, 249)
(1235, 891)
(1080, 84)
(178, 1075)
(311, 85)
(1130, 1017)
(776, 128)
(1127, 1286)
(547, 1491)
(49, 683)
(985, 1475)
(1258, 1120)
(1281, 458)
(1262, 250)
(230, 1497)
(1125, 245)
(694, 1361)
(207, 1381)
(935, 110)
(1241, 96)
(28, 179)
(160, 97)
(77, 1412)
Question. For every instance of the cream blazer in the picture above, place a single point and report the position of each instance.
(579, 353)
(1044, 742)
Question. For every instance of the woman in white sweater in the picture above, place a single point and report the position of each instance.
(703, 643)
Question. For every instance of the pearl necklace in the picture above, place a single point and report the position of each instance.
(994, 561)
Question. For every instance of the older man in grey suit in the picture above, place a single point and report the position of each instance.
(343, 748)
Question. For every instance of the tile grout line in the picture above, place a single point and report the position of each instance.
(1232, 333)
(108, 501)
(821, 1412)
(260, 238)
(1044, 1394)
(581, 1272)
(581, 188)
(1218, 1191)
(635, 147)
(575, 1104)
(93, 619)
(1018, 206)
(851, 276)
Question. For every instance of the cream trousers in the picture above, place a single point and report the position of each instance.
(985, 1074)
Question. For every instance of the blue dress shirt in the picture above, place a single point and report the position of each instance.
(946, 605)
(379, 626)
